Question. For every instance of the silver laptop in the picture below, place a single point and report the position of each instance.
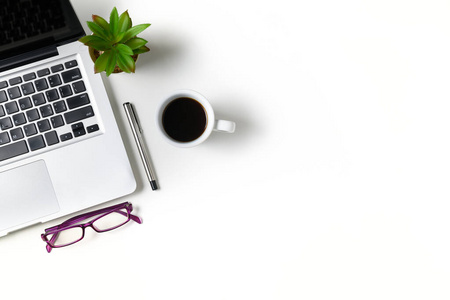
(60, 148)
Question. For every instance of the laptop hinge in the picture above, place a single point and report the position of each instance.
(27, 58)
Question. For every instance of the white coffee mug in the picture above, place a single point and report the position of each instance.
(185, 118)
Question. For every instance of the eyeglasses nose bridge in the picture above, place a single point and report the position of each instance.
(90, 224)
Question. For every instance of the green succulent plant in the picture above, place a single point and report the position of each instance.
(117, 42)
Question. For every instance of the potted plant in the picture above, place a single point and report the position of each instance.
(114, 46)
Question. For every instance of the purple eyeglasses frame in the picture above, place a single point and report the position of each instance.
(72, 223)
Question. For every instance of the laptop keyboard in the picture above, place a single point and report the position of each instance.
(23, 19)
(44, 108)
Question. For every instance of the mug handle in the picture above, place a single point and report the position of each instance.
(224, 126)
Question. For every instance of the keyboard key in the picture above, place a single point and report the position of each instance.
(92, 128)
(12, 150)
(79, 114)
(14, 92)
(43, 72)
(54, 80)
(57, 121)
(36, 142)
(4, 138)
(27, 88)
(71, 64)
(19, 119)
(51, 138)
(78, 101)
(66, 136)
(52, 95)
(5, 123)
(29, 76)
(2, 111)
(78, 129)
(38, 99)
(57, 68)
(78, 87)
(11, 107)
(77, 126)
(30, 129)
(3, 96)
(16, 134)
(41, 84)
(25, 103)
(15, 80)
(3, 84)
(59, 106)
(43, 125)
(71, 75)
(46, 110)
(65, 91)
(33, 115)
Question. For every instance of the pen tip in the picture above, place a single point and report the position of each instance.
(153, 185)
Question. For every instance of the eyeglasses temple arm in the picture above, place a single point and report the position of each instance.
(49, 248)
(136, 218)
(87, 215)
(132, 217)
(51, 241)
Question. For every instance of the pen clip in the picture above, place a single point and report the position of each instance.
(135, 117)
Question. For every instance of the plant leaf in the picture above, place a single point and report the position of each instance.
(134, 31)
(102, 61)
(141, 50)
(124, 50)
(126, 63)
(85, 39)
(112, 62)
(114, 21)
(124, 22)
(98, 30)
(135, 43)
(95, 42)
(100, 22)
(118, 37)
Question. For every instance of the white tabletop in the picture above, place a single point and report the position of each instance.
(335, 184)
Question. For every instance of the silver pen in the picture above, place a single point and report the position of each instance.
(137, 133)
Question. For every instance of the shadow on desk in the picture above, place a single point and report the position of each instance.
(163, 50)
(126, 135)
(227, 108)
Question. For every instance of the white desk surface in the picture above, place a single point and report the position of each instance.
(335, 184)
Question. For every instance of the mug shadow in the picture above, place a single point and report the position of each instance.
(232, 110)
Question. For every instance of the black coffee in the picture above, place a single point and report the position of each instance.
(184, 119)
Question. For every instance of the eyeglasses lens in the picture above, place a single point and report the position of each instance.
(112, 220)
(67, 236)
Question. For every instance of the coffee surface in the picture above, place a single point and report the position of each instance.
(184, 119)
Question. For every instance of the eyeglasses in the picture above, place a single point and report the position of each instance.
(106, 219)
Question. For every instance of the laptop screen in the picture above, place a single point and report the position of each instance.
(27, 25)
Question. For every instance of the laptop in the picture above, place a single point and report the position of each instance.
(60, 147)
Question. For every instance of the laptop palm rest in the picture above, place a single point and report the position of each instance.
(27, 194)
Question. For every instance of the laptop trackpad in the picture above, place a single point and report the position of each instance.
(26, 194)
